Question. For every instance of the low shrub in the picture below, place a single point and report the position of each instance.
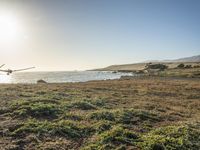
(171, 138)
(72, 116)
(131, 116)
(102, 115)
(38, 109)
(82, 105)
(63, 128)
(181, 66)
(118, 135)
(99, 102)
(188, 66)
(156, 66)
(102, 126)
(114, 138)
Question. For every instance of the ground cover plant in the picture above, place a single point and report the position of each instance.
(145, 113)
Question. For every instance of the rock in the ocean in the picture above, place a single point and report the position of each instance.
(41, 81)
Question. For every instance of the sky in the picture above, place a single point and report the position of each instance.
(59, 35)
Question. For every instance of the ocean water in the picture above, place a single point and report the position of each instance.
(60, 77)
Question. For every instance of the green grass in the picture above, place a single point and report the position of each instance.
(102, 126)
(64, 128)
(176, 72)
(112, 129)
(82, 105)
(35, 109)
(131, 116)
(182, 137)
(113, 138)
(140, 114)
(102, 115)
(172, 137)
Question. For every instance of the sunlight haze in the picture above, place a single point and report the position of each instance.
(80, 35)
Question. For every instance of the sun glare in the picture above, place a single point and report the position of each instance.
(9, 28)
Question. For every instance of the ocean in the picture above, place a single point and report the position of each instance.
(60, 77)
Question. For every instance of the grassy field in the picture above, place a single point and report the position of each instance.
(190, 69)
(175, 72)
(142, 114)
(141, 66)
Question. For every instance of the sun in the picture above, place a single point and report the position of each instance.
(9, 28)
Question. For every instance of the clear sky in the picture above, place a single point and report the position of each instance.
(85, 34)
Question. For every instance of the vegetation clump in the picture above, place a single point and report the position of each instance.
(102, 126)
(72, 116)
(131, 116)
(102, 115)
(35, 109)
(188, 66)
(99, 102)
(140, 113)
(171, 138)
(156, 66)
(63, 128)
(82, 105)
(114, 138)
(181, 66)
(118, 135)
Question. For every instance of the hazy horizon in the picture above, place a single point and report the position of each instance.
(80, 35)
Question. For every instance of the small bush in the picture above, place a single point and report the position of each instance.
(145, 115)
(114, 138)
(132, 116)
(82, 105)
(171, 137)
(188, 66)
(72, 116)
(102, 126)
(61, 128)
(102, 115)
(4, 110)
(196, 66)
(99, 102)
(157, 66)
(181, 66)
(37, 110)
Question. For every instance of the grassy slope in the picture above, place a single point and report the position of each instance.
(190, 72)
(140, 66)
(172, 71)
(142, 113)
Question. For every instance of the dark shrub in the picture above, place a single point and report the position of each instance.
(181, 66)
(35, 109)
(103, 115)
(102, 126)
(158, 147)
(82, 105)
(188, 66)
(118, 135)
(157, 66)
(63, 128)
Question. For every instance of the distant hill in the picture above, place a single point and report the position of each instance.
(139, 66)
(185, 59)
(188, 59)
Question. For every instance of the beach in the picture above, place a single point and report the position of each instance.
(136, 113)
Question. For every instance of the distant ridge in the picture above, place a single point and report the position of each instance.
(188, 59)
(139, 66)
(185, 59)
